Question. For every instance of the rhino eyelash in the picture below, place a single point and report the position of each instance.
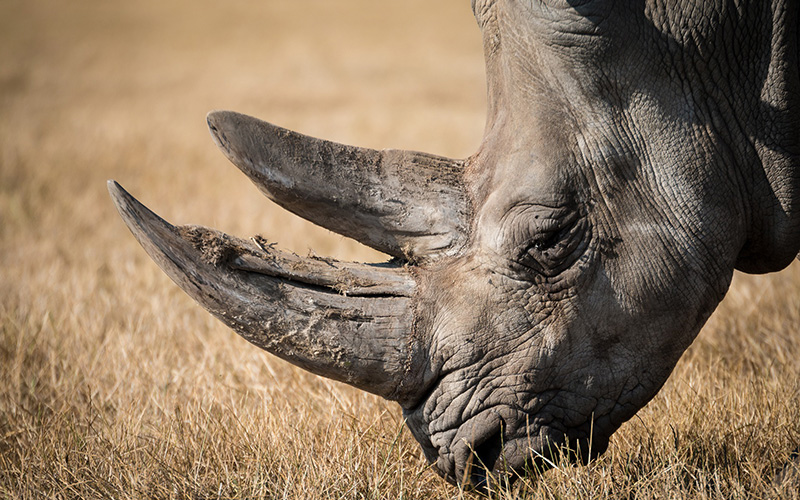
(541, 254)
(548, 241)
(545, 243)
(552, 251)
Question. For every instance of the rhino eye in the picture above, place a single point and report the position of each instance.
(549, 252)
(546, 242)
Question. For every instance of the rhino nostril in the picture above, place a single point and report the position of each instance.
(484, 458)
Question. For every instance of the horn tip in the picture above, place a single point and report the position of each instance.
(220, 118)
(222, 125)
(215, 116)
(118, 194)
(136, 216)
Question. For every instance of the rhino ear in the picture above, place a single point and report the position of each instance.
(409, 205)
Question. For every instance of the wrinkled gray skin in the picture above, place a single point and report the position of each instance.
(635, 154)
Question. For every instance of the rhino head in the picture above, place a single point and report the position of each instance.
(540, 291)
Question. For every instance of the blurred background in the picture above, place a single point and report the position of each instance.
(114, 383)
(93, 90)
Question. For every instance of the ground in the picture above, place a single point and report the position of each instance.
(114, 384)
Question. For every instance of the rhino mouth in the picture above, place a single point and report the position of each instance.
(491, 450)
(343, 320)
(497, 461)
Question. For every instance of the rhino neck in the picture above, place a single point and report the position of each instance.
(774, 180)
(739, 72)
(740, 67)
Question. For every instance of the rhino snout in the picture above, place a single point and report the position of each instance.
(501, 444)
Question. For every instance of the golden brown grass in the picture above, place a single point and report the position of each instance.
(114, 384)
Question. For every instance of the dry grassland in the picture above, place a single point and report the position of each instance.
(113, 384)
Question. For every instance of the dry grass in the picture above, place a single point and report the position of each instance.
(114, 384)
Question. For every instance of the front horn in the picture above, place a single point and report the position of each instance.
(345, 321)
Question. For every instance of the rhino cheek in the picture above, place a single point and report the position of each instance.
(639, 313)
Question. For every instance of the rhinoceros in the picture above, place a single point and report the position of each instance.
(539, 292)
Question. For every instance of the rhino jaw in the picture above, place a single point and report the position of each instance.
(345, 321)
